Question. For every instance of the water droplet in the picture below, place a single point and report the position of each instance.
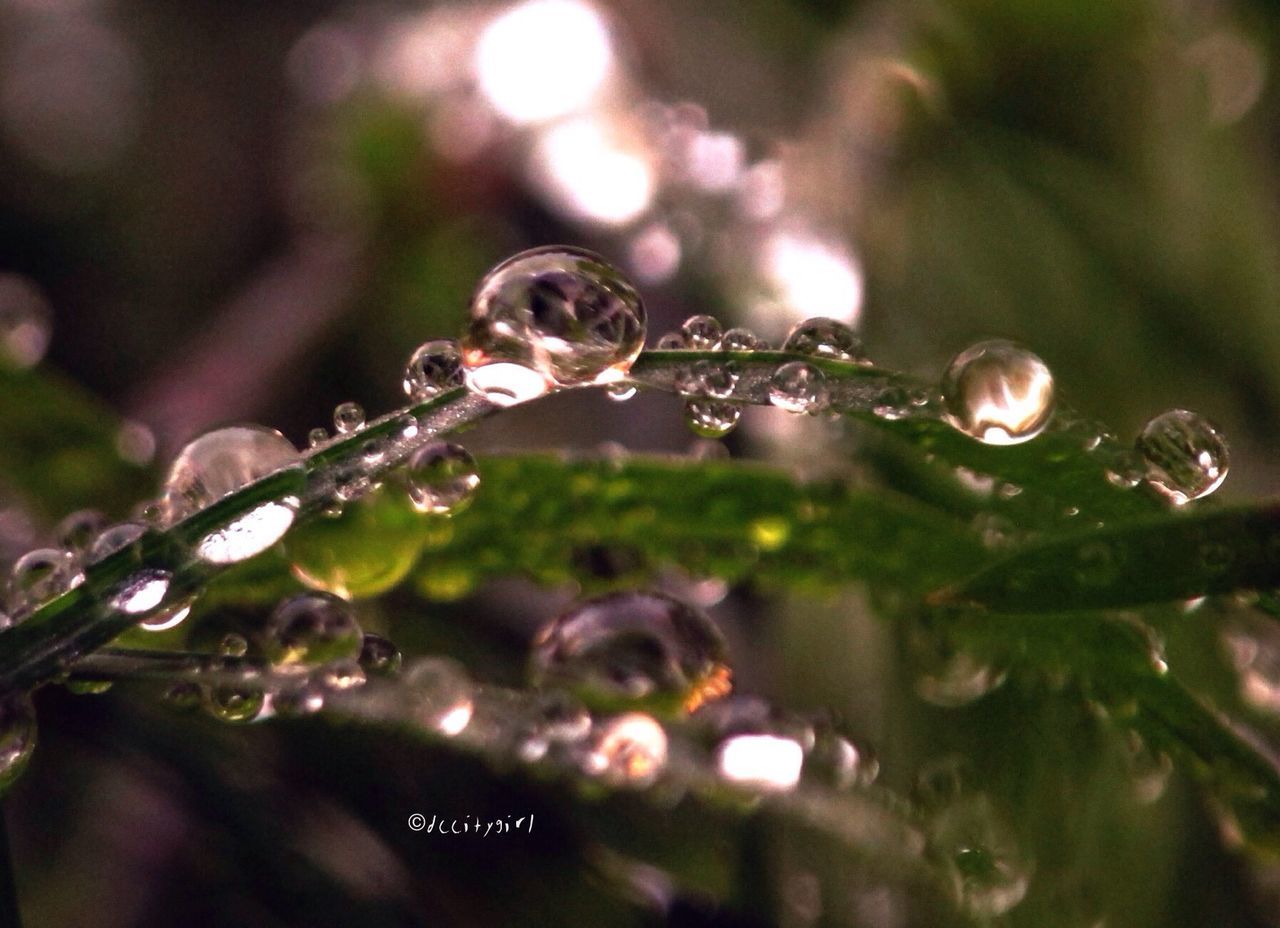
(77, 532)
(442, 478)
(958, 680)
(39, 576)
(17, 736)
(742, 340)
(701, 333)
(839, 762)
(998, 392)
(379, 657)
(633, 649)
(552, 719)
(798, 387)
(311, 629)
(1186, 456)
(234, 702)
(338, 676)
(671, 341)
(989, 875)
(219, 463)
(434, 368)
(347, 418)
(440, 694)
(709, 378)
(1149, 770)
(233, 644)
(760, 761)
(26, 322)
(141, 592)
(711, 418)
(558, 316)
(296, 701)
(626, 751)
(115, 538)
(184, 695)
(170, 617)
(825, 338)
(88, 687)
(317, 437)
(620, 392)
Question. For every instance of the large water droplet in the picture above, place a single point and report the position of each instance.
(711, 418)
(1186, 456)
(626, 751)
(825, 338)
(25, 322)
(442, 478)
(633, 649)
(219, 463)
(440, 694)
(798, 387)
(17, 736)
(433, 369)
(39, 576)
(551, 316)
(311, 629)
(998, 392)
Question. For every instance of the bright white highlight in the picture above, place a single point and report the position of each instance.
(764, 761)
(456, 719)
(813, 277)
(591, 175)
(167, 621)
(506, 384)
(248, 535)
(142, 592)
(543, 59)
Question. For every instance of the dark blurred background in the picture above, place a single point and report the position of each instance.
(254, 211)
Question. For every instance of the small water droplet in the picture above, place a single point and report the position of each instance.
(88, 687)
(442, 478)
(701, 333)
(1186, 455)
(310, 629)
(839, 762)
(337, 676)
(26, 322)
(671, 341)
(742, 340)
(298, 700)
(798, 387)
(317, 437)
(434, 368)
(143, 591)
(379, 657)
(440, 694)
(114, 538)
(184, 695)
(557, 316)
(631, 650)
(17, 736)
(39, 576)
(711, 418)
(998, 392)
(233, 644)
(171, 616)
(234, 702)
(1149, 769)
(77, 532)
(709, 378)
(825, 338)
(626, 751)
(347, 418)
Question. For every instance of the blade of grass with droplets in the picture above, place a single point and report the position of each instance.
(1072, 465)
(1152, 560)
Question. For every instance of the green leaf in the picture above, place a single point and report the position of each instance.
(1162, 559)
